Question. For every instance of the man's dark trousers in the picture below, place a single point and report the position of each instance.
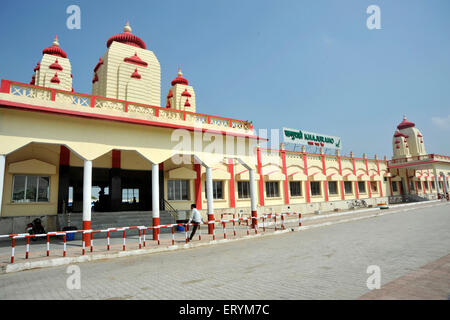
(194, 228)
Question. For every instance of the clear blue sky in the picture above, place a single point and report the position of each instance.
(312, 65)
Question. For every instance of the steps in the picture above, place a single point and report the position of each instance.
(104, 220)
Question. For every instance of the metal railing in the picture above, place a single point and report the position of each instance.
(277, 220)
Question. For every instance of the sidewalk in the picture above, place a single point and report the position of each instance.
(38, 249)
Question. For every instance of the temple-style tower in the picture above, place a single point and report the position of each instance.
(407, 141)
(181, 96)
(128, 71)
(54, 70)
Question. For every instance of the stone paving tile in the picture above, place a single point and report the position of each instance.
(431, 281)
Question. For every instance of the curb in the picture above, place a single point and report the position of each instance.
(29, 265)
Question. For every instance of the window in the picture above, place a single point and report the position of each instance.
(373, 186)
(394, 186)
(362, 187)
(243, 189)
(433, 185)
(272, 190)
(296, 188)
(411, 185)
(31, 189)
(178, 189)
(419, 185)
(348, 186)
(130, 195)
(217, 189)
(426, 185)
(332, 187)
(315, 188)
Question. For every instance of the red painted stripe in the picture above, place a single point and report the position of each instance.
(232, 191)
(64, 156)
(116, 158)
(325, 184)
(286, 184)
(342, 181)
(198, 186)
(305, 169)
(261, 180)
(356, 182)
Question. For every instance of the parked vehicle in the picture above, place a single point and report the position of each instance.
(35, 227)
(357, 203)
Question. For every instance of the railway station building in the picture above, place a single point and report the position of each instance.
(119, 151)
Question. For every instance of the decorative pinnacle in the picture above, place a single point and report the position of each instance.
(127, 27)
(55, 41)
(179, 71)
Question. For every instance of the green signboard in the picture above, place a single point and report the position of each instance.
(311, 139)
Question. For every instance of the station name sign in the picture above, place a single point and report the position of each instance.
(311, 139)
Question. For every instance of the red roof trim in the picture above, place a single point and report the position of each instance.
(99, 64)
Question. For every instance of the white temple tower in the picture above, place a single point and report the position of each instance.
(54, 70)
(181, 95)
(407, 141)
(128, 71)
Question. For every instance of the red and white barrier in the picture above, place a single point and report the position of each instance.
(142, 232)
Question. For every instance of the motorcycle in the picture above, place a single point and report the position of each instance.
(35, 227)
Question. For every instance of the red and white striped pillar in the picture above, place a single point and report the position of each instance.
(253, 201)
(87, 198)
(155, 199)
(209, 199)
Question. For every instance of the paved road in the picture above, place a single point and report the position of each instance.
(323, 263)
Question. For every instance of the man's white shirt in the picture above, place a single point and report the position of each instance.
(195, 216)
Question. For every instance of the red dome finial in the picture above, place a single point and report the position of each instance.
(180, 79)
(127, 38)
(55, 50)
(405, 124)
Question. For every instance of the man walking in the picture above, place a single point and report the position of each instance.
(196, 219)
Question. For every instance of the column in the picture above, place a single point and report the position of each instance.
(285, 182)
(436, 180)
(64, 178)
(354, 172)
(261, 180)
(198, 186)
(87, 198)
(115, 189)
(209, 198)
(324, 170)
(231, 183)
(305, 171)
(2, 178)
(155, 199)
(253, 199)
(341, 182)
